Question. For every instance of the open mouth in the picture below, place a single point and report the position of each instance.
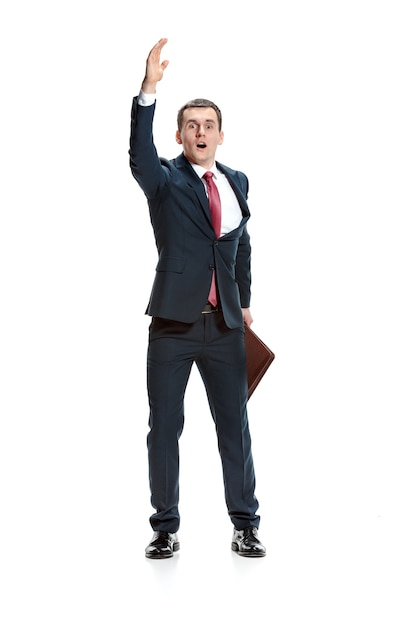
(201, 145)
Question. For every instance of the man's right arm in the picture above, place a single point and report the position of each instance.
(144, 161)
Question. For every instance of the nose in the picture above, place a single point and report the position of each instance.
(200, 130)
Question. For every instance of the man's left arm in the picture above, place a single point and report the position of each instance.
(243, 275)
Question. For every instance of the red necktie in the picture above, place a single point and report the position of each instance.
(216, 218)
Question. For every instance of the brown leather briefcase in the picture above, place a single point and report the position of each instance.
(258, 358)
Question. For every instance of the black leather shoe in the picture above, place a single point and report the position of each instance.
(162, 546)
(246, 543)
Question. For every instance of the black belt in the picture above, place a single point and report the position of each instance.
(209, 308)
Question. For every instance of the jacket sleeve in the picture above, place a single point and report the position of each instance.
(243, 269)
(143, 157)
(243, 257)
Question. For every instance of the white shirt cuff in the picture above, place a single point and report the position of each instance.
(146, 99)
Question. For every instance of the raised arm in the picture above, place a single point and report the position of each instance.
(144, 160)
(154, 68)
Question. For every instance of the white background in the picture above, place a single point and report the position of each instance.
(319, 102)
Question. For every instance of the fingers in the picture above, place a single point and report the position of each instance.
(154, 65)
(155, 53)
(154, 68)
(161, 43)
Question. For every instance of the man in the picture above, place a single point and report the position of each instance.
(199, 305)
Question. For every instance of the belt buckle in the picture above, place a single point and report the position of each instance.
(209, 308)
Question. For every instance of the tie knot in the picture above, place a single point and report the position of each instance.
(208, 176)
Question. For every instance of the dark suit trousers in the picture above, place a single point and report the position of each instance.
(219, 354)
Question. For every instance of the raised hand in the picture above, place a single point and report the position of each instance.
(154, 68)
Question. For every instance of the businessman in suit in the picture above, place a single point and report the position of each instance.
(199, 306)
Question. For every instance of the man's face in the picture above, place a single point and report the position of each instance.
(200, 136)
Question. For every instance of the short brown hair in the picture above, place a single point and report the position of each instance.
(201, 103)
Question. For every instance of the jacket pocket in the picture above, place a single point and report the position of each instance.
(170, 264)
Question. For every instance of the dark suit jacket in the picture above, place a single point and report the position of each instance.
(188, 249)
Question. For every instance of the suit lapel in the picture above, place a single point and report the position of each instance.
(195, 184)
(233, 178)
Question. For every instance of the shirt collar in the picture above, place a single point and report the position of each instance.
(200, 171)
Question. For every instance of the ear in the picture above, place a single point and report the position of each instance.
(221, 137)
(178, 137)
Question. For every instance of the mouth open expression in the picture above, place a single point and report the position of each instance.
(200, 136)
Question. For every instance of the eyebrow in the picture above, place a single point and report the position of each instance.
(196, 121)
